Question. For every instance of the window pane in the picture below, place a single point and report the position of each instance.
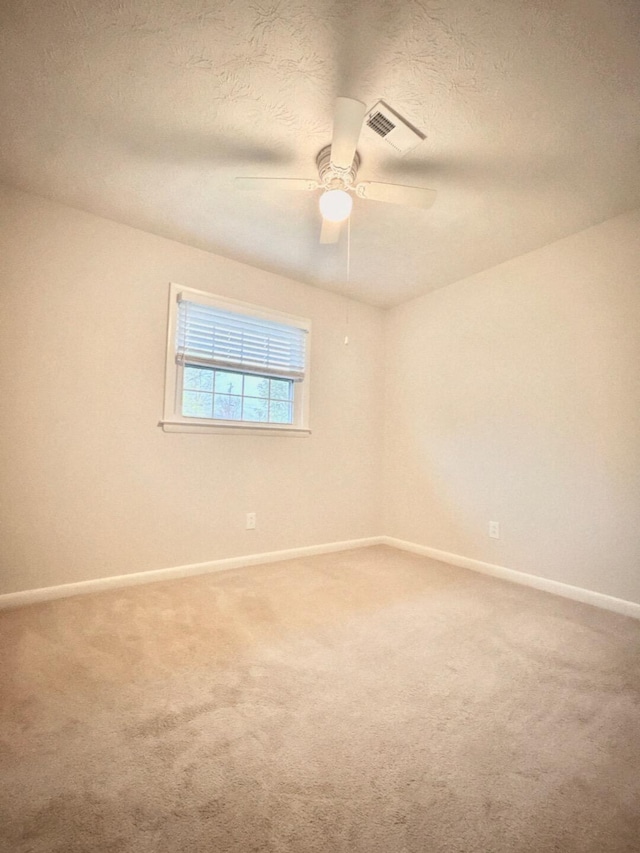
(255, 410)
(198, 378)
(280, 412)
(227, 408)
(231, 396)
(281, 389)
(196, 404)
(256, 386)
(228, 383)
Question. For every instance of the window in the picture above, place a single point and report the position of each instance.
(232, 366)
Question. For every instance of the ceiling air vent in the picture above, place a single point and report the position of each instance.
(395, 131)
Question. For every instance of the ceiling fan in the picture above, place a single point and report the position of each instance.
(338, 165)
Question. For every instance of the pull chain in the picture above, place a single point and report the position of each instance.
(346, 337)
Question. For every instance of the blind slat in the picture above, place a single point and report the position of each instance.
(210, 335)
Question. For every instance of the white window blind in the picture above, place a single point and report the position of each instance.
(210, 335)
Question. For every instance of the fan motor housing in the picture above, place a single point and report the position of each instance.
(333, 177)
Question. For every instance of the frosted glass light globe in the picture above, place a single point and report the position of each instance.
(335, 205)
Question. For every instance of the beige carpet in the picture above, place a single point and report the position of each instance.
(370, 701)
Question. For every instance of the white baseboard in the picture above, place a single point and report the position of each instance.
(586, 596)
(32, 596)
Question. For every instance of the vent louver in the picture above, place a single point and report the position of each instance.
(380, 123)
(392, 128)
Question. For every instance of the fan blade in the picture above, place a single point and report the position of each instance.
(276, 184)
(396, 194)
(330, 232)
(347, 124)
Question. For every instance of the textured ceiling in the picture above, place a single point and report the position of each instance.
(145, 110)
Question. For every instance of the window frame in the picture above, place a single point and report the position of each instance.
(174, 421)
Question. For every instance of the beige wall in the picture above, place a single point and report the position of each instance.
(514, 395)
(91, 487)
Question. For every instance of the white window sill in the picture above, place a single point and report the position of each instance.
(233, 429)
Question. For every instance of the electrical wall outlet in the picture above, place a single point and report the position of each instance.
(494, 529)
(251, 521)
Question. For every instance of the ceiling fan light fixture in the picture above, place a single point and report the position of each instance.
(335, 205)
